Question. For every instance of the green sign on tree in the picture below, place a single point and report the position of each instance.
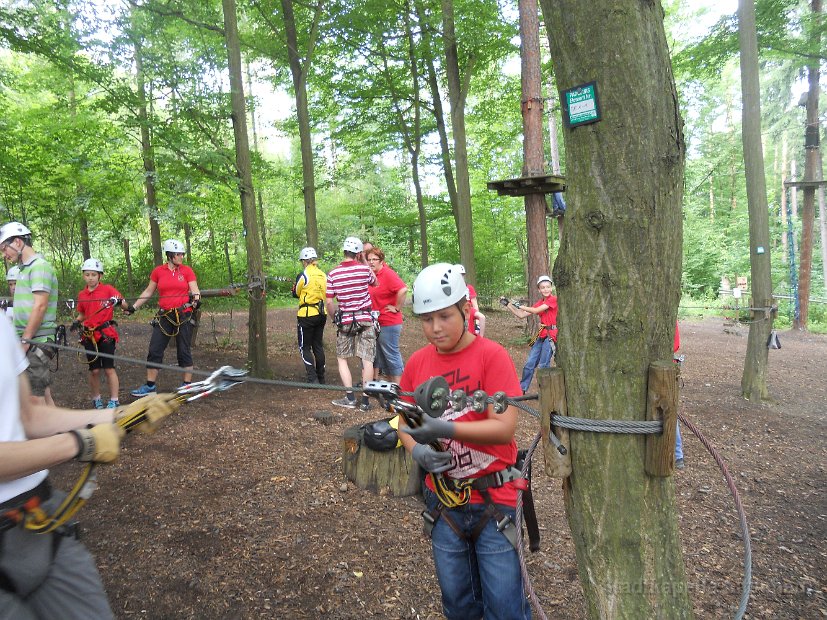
(581, 105)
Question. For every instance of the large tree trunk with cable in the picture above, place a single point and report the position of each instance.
(754, 380)
(618, 279)
(257, 321)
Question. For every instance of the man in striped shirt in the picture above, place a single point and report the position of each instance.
(35, 306)
(355, 333)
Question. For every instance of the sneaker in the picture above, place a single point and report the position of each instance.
(679, 464)
(143, 390)
(112, 404)
(365, 407)
(97, 403)
(344, 402)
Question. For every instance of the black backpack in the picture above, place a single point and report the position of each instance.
(380, 435)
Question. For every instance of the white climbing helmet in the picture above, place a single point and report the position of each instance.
(438, 286)
(13, 273)
(13, 229)
(352, 244)
(307, 254)
(92, 264)
(174, 246)
(542, 279)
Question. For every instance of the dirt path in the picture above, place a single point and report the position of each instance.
(238, 506)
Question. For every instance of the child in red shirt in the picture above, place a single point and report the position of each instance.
(477, 567)
(95, 310)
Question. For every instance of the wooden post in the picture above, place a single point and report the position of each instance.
(393, 472)
(662, 404)
(553, 402)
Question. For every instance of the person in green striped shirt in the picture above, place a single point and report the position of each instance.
(35, 306)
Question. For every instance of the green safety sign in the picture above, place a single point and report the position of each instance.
(581, 105)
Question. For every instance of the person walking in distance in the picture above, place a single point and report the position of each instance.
(348, 284)
(178, 296)
(311, 289)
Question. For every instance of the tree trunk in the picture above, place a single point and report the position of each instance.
(148, 159)
(618, 277)
(261, 224)
(299, 73)
(127, 256)
(457, 92)
(811, 165)
(257, 321)
(784, 196)
(533, 164)
(439, 113)
(822, 220)
(554, 142)
(756, 371)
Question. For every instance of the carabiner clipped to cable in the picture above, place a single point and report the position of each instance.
(222, 379)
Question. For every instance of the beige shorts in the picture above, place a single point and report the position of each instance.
(39, 371)
(361, 345)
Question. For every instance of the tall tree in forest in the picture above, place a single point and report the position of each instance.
(300, 58)
(147, 155)
(459, 79)
(618, 276)
(533, 154)
(812, 165)
(756, 370)
(257, 321)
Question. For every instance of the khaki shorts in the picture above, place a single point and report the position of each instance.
(39, 371)
(361, 345)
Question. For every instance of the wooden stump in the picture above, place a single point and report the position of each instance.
(394, 471)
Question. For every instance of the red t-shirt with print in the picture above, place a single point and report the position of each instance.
(173, 285)
(98, 309)
(482, 365)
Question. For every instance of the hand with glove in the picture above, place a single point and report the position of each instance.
(128, 308)
(75, 326)
(431, 429)
(504, 301)
(101, 443)
(431, 460)
(146, 413)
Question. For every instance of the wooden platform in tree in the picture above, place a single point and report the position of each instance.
(394, 472)
(522, 186)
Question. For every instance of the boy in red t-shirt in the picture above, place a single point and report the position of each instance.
(477, 567)
(545, 344)
(98, 335)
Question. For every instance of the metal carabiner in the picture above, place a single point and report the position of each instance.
(222, 379)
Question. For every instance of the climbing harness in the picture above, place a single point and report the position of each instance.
(31, 513)
(432, 398)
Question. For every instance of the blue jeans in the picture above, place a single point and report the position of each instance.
(538, 357)
(478, 579)
(388, 358)
(678, 444)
